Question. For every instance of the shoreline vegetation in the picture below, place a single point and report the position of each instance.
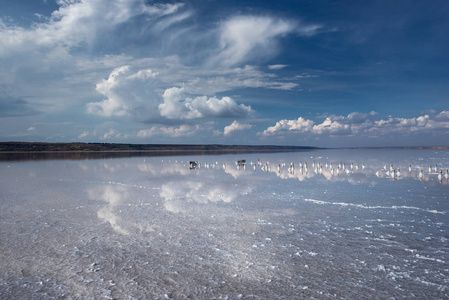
(110, 147)
(22, 151)
(19, 147)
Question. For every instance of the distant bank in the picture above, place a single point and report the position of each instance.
(106, 147)
(110, 147)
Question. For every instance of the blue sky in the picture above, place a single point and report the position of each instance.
(316, 73)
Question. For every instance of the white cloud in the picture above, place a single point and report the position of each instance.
(84, 134)
(133, 94)
(361, 125)
(244, 35)
(128, 94)
(80, 21)
(111, 134)
(59, 55)
(62, 50)
(276, 67)
(236, 126)
(444, 115)
(170, 131)
(330, 126)
(177, 106)
(176, 194)
(219, 80)
(298, 126)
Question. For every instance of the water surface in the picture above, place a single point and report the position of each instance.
(152, 228)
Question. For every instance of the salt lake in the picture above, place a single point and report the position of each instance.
(319, 224)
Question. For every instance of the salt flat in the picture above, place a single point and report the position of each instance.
(357, 224)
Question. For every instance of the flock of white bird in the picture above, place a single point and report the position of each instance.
(396, 173)
(336, 170)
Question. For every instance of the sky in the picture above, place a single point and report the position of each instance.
(287, 72)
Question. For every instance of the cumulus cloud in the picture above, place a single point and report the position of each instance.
(115, 50)
(299, 125)
(128, 94)
(236, 126)
(363, 125)
(177, 106)
(133, 93)
(71, 48)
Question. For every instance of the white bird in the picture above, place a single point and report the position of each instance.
(430, 169)
(393, 173)
(421, 175)
(398, 172)
(410, 168)
(224, 166)
(436, 168)
(440, 175)
(447, 174)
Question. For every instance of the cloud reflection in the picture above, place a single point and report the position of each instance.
(179, 196)
(113, 196)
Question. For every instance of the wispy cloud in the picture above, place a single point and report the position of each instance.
(244, 35)
(276, 67)
(171, 131)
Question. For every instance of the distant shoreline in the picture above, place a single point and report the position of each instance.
(41, 147)
(35, 147)
(24, 151)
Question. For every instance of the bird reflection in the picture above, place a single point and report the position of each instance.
(342, 170)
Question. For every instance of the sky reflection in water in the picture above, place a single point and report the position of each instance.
(151, 227)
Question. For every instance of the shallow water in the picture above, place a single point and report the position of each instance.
(152, 228)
